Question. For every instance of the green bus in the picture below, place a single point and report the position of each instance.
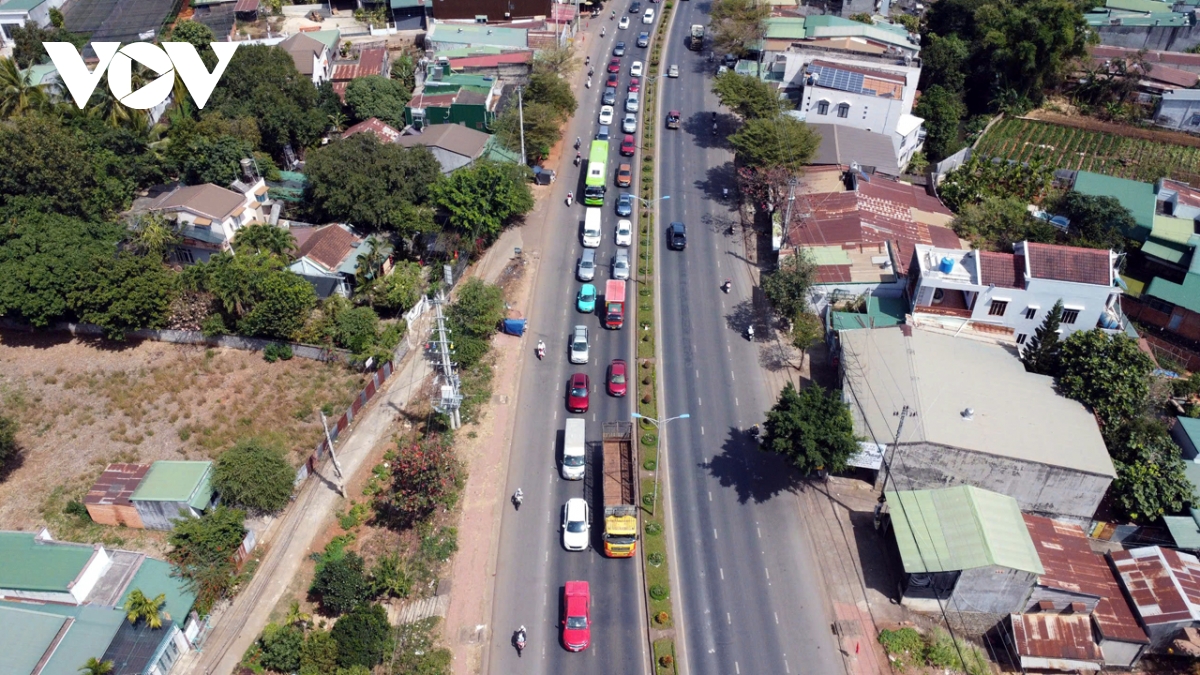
(594, 187)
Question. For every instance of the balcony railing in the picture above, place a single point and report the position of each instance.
(942, 311)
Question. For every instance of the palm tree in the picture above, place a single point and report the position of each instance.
(264, 238)
(153, 236)
(337, 122)
(140, 608)
(95, 666)
(18, 93)
(370, 265)
(296, 617)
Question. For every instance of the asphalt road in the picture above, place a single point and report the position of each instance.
(532, 564)
(752, 601)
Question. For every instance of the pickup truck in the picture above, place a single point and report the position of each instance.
(673, 119)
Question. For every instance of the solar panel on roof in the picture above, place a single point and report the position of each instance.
(836, 78)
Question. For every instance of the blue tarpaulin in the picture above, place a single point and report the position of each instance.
(514, 327)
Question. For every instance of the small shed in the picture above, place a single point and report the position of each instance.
(1055, 642)
(1164, 588)
(172, 490)
(108, 500)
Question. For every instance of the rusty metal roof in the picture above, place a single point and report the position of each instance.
(1164, 584)
(1072, 566)
(115, 486)
(1055, 637)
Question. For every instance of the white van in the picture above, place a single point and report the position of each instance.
(573, 450)
(648, 17)
(591, 227)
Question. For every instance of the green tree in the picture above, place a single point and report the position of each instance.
(138, 607)
(319, 654)
(981, 178)
(8, 439)
(195, 33)
(944, 62)
(478, 309)
(215, 125)
(202, 551)
(748, 96)
(363, 636)
(911, 23)
(482, 198)
(375, 185)
(281, 647)
(996, 223)
(1151, 480)
(399, 290)
(543, 128)
(262, 83)
(1108, 373)
(943, 110)
(377, 96)
(787, 287)
(862, 17)
(18, 93)
(123, 293)
(256, 292)
(780, 142)
(371, 263)
(807, 331)
(296, 617)
(404, 71)
(153, 236)
(551, 89)
(1096, 222)
(812, 428)
(556, 60)
(28, 39)
(426, 476)
(1041, 353)
(213, 160)
(95, 666)
(737, 24)
(342, 584)
(261, 238)
(356, 329)
(389, 578)
(254, 476)
(285, 301)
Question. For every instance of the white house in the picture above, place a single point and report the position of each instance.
(311, 56)
(16, 13)
(1014, 291)
(208, 216)
(872, 96)
(1179, 110)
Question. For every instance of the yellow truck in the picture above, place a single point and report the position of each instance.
(620, 491)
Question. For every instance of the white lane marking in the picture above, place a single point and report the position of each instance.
(731, 375)
(759, 532)
(728, 619)
(547, 556)
(701, 431)
(698, 401)
(735, 402)
(710, 495)
(556, 413)
(728, 348)
(697, 373)
(736, 667)
(715, 533)
(786, 667)
(722, 573)
(768, 572)
(776, 618)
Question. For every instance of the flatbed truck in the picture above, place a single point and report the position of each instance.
(620, 491)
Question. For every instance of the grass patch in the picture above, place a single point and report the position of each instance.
(664, 657)
(909, 648)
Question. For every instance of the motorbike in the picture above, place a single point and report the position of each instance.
(725, 193)
(519, 640)
(517, 498)
(756, 434)
(587, 61)
(750, 333)
(588, 84)
(601, 32)
(570, 198)
(714, 128)
(591, 72)
(541, 350)
(727, 285)
(578, 158)
(577, 142)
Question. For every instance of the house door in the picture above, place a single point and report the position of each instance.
(1176, 320)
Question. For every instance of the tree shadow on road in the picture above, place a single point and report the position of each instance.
(756, 475)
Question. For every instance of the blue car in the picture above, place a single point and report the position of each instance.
(586, 300)
(625, 205)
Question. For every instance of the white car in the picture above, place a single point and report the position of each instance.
(635, 69)
(631, 103)
(579, 345)
(648, 17)
(576, 524)
(606, 115)
(624, 233)
(623, 23)
(673, 71)
(629, 123)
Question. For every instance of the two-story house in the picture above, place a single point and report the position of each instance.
(17, 13)
(312, 57)
(208, 216)
(1014, 291)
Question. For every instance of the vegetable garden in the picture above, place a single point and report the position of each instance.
(1080, 149)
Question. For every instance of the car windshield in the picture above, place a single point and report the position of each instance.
(586, 265)
(618, 378)
(573, 460)
(579, 391)
(576, 526)
(576, 622)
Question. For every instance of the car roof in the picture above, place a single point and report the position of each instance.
(588, 287)
(577, 378)
(628, 137)
(624, 222)
(673, 112)
(618, 362)
(576, 504)
(575, 588)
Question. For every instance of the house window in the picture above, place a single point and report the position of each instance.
(843, 110)
(1021, 339)
(1030, 312)
(998, 308)
(1070, 316)
(1159, 305)
(823, 107)
(1195, 120)
(182, 255)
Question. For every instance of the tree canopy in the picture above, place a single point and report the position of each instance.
(481, 199)
(1109, 373)
(1041, 354)
(981, 178)
(1096, 221)
(996, 223)
(812, 428)
(551, 89)
(377, 96)
(748, 96)
(341, 583)
(943, 110)
(202, 551)
(543, 128)
(363, 636)
(255, 293)
(425, 475)
(777, 142)
(1151, 480)
(787, 287)
(254, 476)
(735, 24)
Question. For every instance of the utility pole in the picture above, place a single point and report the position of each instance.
(337, 468)
(887, 467)
(450, 398)
(787, 215)
(521, 117)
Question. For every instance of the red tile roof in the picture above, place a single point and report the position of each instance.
(382, 130)
(833, 274)
(116, 485)
(329, 246)
(1163, 583)
(1003, 270)
(1071, 565)
(944, 237)
(493, 59)
(1069, 263)
(1055, 636)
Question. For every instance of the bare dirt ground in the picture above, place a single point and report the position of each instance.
(82, 404)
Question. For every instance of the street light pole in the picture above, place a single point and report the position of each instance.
(646, 203)
(658, 425)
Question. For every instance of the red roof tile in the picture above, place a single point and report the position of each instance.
(493, 59)
(1164, 584)
(1004, 270)
(1069, 263)
(944, 237)
(329, 246)
(1071, 565)
(385, 132)
(116, 485)
(1178, 59)
(1055, 636)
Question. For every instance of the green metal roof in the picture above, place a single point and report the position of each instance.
(176, 481)
(786, 28)
(1134, 195)
(1172, 229)
(1186, 295)
(828, 255)
(467, 34)
(28, 631)
(19, 5)
(30, 565)
(39, 72)
(1184, 530)
(1164, 250)
(1146, 6)
(960, 528)
(25, 634)
(827, 25)
(1190, 428)
(154, 577)
(498, 153)
(329, 38)
(406, 4)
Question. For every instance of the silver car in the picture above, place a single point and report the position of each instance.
(579, 345)
(620, 265)
(587, 265)
(631, 104)
(629, 123)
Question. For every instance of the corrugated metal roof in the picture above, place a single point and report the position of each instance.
(1186, 295)
(1056, 637)
(154, 577)
(31, 565)
(172, 481)
(1172, 229)
(1164, 584)
(960, 528)
(1069, 263)
(1164, 250)
(1184, 530)
(116, 484)
(1134, 195)
(1072, 566)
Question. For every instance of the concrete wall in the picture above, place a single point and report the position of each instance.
(1040, 488)
(95, 568)
(158, 515)
(1177, 113)
(1165, 38)
(1062, 600)
(1120, 654)
(992, 590)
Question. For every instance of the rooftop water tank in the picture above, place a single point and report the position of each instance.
(947, 265)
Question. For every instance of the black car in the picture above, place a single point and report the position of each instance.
(635, 8)
(625, 205)
(619, 49)
(730, 60)
(677, 236)
(643, 39)
(610, 96)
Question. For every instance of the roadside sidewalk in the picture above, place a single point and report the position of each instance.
(289, 538)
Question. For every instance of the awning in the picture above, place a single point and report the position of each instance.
(262, 190)
(202, 221)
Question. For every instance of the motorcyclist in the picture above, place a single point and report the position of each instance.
(587, 60)
(613, 15)
(602, 29)
(725, 193)
(518, 497)
(541, 349)
(578, 158)
(577, 142)
(520, 640)
(588, 84)
(727, 285)
(749, 336)
(591, 72)
(570, 198)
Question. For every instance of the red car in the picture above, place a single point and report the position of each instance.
(627, 146)
(634, 84)
(577, 616)
(577, 393)
(613, 81)
(616, 378)
(614, 66)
